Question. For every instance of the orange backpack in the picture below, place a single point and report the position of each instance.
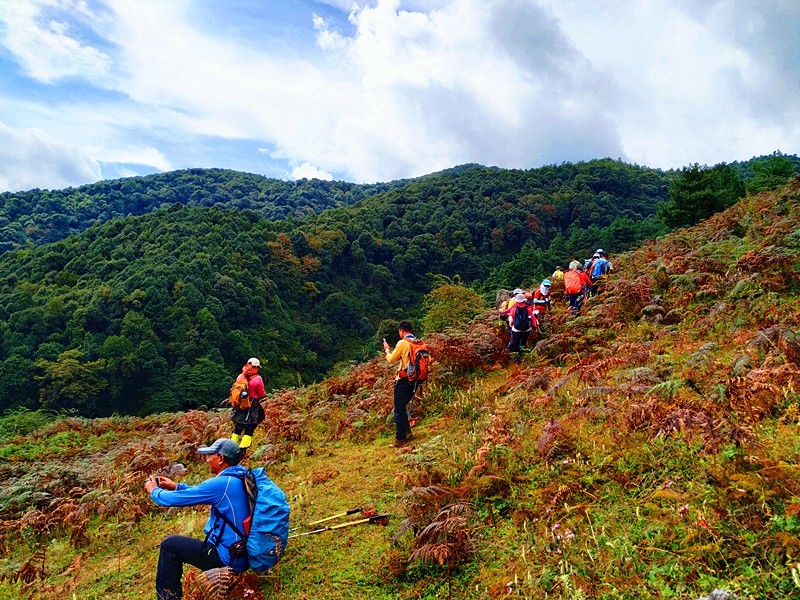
(419, 357)
(238, 395)
(572, 282)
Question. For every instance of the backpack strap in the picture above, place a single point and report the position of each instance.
(410, 338)
(226, 521)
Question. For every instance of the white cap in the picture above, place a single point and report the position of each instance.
(255, 362)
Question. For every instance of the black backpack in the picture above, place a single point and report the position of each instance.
(522, 320)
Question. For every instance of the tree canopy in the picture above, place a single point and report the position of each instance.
(156, 311)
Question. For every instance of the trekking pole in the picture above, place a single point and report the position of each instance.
(352, 511)
(374, 519)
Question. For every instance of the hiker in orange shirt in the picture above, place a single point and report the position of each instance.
(403, 388)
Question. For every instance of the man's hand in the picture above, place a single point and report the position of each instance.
(150, 485)
(164, 483)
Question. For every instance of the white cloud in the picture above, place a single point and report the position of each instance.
(415, 86)
(45, 46)
(687, 83)
(309, 171)
(31, 158)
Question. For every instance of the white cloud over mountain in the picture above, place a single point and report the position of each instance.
(392, 89)
(31, 157)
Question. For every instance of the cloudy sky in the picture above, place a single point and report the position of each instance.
(383, 89)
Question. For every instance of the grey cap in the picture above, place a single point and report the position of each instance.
(254, 361)
(519, 298)
(225, 447)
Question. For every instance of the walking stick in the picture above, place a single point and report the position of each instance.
(352, 511)
(374, 519)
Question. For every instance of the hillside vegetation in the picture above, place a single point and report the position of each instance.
(105, 321)
(43, 216)
(646, 449)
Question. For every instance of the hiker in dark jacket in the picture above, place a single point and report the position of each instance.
(225, 493)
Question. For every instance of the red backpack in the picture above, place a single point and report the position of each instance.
(419, 358)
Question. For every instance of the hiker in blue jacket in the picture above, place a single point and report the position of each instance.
(226, 494)
(600, 267)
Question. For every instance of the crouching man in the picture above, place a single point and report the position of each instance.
(226, 495)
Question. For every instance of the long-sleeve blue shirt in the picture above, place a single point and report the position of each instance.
(224, 492)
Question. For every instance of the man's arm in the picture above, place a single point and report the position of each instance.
(400, 350)
(208, 492)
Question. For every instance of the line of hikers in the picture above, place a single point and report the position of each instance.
(227, 542)
(582, 279)
(523, 312)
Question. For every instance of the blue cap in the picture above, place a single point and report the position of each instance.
(546, 283)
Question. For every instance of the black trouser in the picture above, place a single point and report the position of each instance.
(403, 392)
(248, 419)
(175, 551)
(518, 340)
(238, 429)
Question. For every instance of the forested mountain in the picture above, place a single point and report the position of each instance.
(645, 448)
(43, 216)
(158, 311)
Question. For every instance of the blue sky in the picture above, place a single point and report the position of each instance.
(385, 89)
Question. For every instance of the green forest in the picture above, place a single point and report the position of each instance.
(146, 295)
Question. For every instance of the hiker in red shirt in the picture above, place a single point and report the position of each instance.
(541, 298)
(246, 420)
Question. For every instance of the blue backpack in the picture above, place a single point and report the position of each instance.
(267, 528)
(600, 267)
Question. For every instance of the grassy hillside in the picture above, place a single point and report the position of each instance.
(646, 449)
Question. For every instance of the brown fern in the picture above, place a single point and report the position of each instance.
(447, 539)
(554, 442)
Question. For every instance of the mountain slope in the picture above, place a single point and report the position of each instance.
(647, 448)
(104, 320)
(44, 216)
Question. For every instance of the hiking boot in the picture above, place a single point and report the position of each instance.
(398, 443)
(409, 436)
